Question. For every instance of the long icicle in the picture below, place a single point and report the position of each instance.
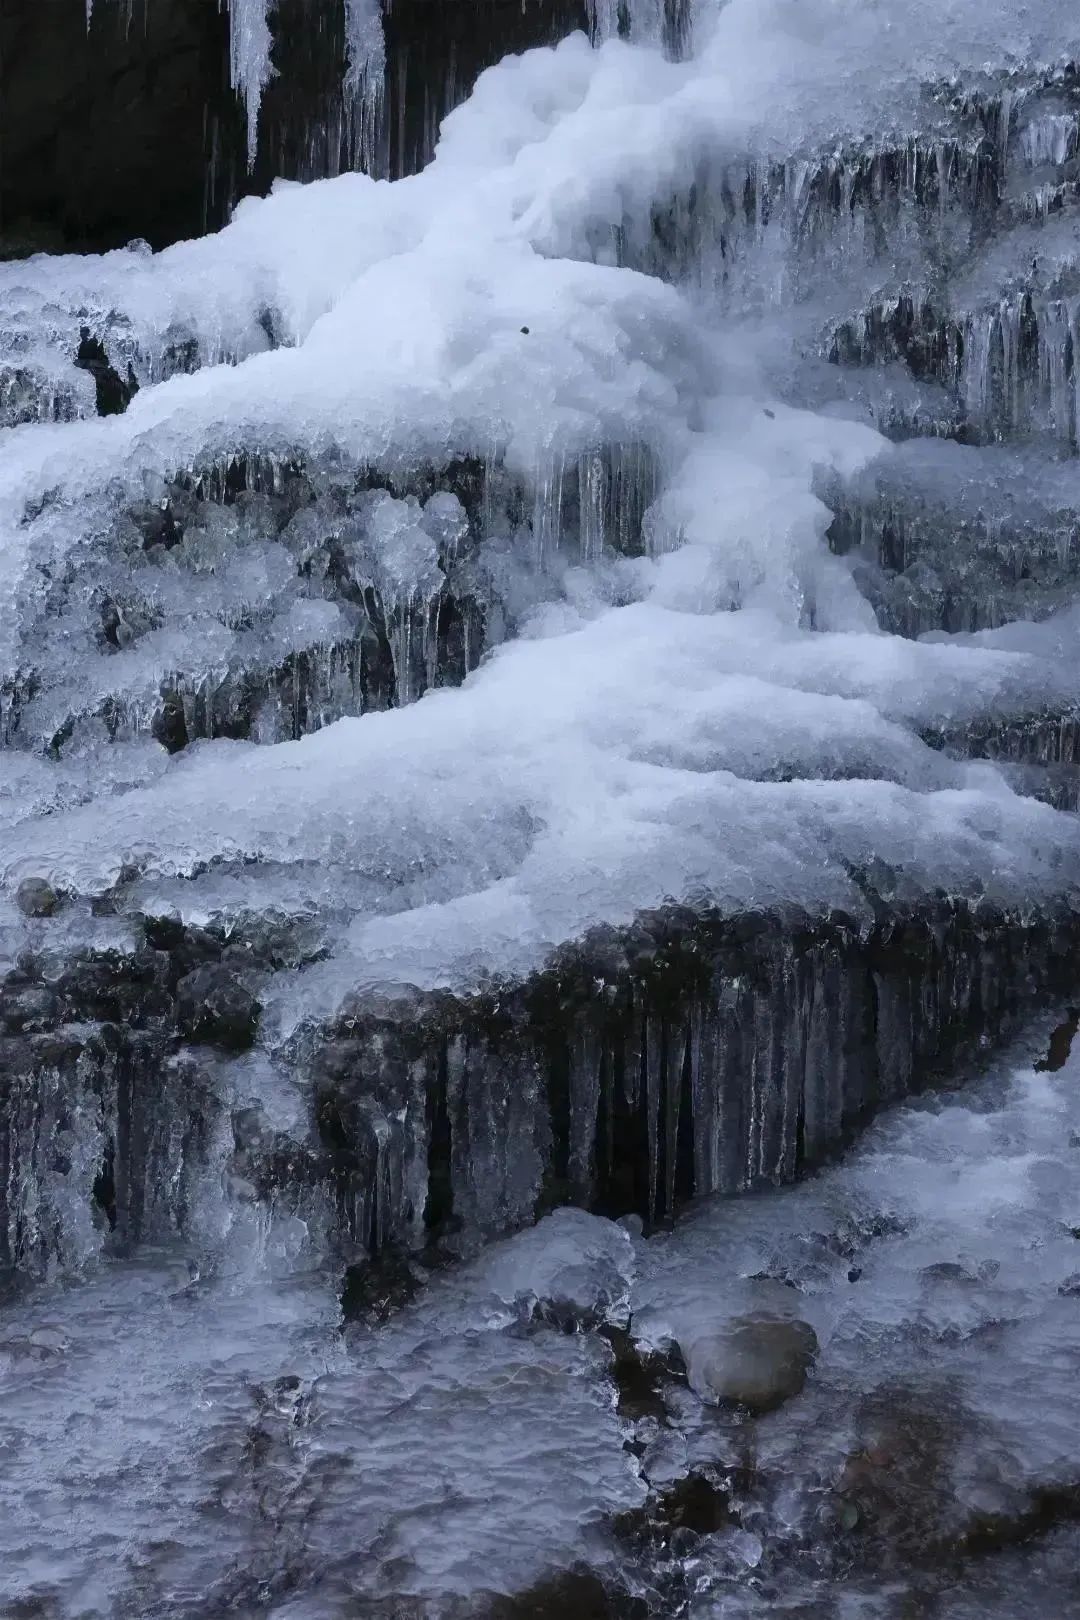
(249, 61)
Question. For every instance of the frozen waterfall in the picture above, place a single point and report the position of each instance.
(537, 695)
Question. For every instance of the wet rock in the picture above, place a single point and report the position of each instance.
(213, 1005)
(377, 1288)
(36, 898)
(954, 1271)
(758, 1361)
(697, 1503)
(38, 1346)
(574, 1594)
(27, 1007)
(113, 393)
(251, 1131)
(117, 989)
(894, 1497)
(579, 1594)
(641, 1375)
(1061, 1044)
(1070, 1288)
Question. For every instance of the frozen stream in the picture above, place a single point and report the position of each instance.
(187, 1435)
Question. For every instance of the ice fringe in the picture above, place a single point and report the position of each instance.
(250, 44)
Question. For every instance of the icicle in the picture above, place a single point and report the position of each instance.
(1049, 141)
(249, 61)
(644, 20)
(1010, 345)
(603, 18)
(977, 341)
(585, 1062)
(944, 166)
(592, 496)
(1006, 108)
(365, 53)
(653, 1046)
(399, 637)
(547, 508)
(1054, 346)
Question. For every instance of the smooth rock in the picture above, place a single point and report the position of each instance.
(758, 1361)
(36, 898)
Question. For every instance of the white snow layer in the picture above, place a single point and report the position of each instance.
(638, 744)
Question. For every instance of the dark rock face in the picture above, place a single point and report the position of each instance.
(576, 1595)
(214, 1005)
(105, 136)
(691, 1055)
(112, 392)
(131, 129)
(686, 1057)
(375, 1290)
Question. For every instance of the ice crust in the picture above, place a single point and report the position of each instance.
(401, 1461)
(937, 1268)
(203, 1372)
(959, 537)
(552, 792)
(717, 718)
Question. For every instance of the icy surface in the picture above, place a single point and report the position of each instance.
(216, 1389)
(938, 1270)
(249, 60)
(542, 800)
(193, 1431)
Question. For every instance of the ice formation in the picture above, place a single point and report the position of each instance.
(492, 1433)
(550, 680)
(477, 313)
(251, 24)
(249, 35)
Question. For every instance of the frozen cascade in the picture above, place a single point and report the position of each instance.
(541, 691)
(935, 1276)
